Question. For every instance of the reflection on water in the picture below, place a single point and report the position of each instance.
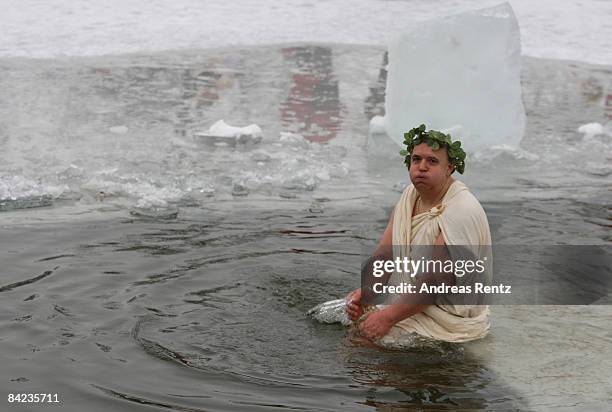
(200, 90)
(404, 381)
(313, 107)
(570, 94)
(375, 102)
(129, 127)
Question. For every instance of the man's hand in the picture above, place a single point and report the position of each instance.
(354, 310)
(376, 325)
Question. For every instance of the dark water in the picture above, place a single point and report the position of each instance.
(207, 312)
(198, 303)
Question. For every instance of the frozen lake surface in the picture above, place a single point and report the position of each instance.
(557, 29)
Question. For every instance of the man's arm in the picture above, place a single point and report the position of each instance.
(378, 324)
(383, 251)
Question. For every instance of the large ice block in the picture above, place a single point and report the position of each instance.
(462, 73)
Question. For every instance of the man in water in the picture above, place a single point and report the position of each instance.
(434, 210)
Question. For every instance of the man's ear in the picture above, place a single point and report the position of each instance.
(451, 169)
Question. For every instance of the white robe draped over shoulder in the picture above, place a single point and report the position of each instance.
(462, 221)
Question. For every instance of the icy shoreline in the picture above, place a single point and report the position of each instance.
(44, 30)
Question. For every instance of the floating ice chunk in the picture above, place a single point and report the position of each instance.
(591, 129)
(378, 125)
(118, 129)
(150, 201)
(220, 128)
(222, 133)
(299, 184)
(458, 70)
(240, 190)
(289, 138)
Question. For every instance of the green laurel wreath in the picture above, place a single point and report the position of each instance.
(435, 140)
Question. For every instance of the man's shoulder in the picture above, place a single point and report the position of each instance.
(466, 204)
(466, 220)
(407, 193)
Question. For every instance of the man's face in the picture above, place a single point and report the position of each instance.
(429, 169)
